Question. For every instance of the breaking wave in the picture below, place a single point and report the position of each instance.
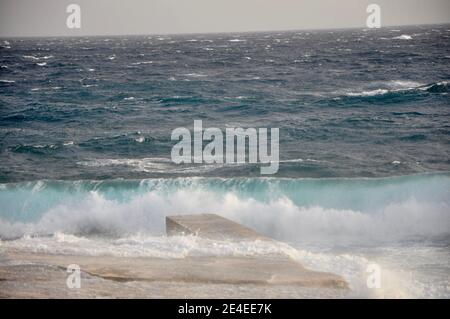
(294, 210)
(402, 87)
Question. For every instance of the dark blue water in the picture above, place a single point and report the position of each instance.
(349, 103)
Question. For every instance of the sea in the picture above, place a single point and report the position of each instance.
(364, 139)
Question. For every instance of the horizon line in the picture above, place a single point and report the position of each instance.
(218, 32)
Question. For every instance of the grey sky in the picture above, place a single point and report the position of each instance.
(108, 17)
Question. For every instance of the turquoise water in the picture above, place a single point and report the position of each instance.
(413, 207)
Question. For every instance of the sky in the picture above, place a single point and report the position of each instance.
(125, 17)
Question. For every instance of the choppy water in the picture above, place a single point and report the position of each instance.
(85, 128)
(96, 108)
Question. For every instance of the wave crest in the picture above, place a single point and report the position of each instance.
(330, 211)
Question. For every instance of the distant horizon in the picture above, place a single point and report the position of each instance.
(222, 32)
(50, 18)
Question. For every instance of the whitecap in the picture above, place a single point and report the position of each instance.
(142, 62)
(408, 84)
(403, 37)
(195, 75)
(32, 57)
(391, 86)
(149, 164)
(368, 93)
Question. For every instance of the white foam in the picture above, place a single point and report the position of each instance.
(149, 164)
(140, 245)
(404, 270)
(369, 93)
(196, 75)
(142, 62)
(280, 218)
(395, 282)
(426, 87)
(404, 84)
(403, 37)
(387, 87)
(32, 57)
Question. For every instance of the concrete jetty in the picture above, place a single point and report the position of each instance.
(210, 226)
(273, 274)
(273, 268)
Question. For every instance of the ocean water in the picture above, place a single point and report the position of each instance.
(364, 119)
